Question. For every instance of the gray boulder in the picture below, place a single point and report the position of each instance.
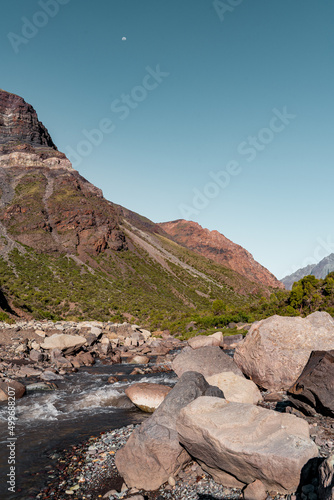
(276, 350)
(68, 344)
(314, 389)
(247, 442)
(206, 360)
(326, 479)
(153, 452)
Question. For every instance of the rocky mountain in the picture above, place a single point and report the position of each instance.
(67, 252)
(217, 247)
(19, 123)
(320, 271)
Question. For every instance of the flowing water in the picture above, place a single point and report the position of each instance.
(84, 405)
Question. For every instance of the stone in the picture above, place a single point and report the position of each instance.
(40, 386)
(153, 452)
(171, 481)
(145, 333)
(147, 396)
(203, 341)
(48, 375)
(247, 441)
(10, 388)
(85, 358)
(68, 344)
(276, 350)
(206, 360)
(139, 360)
(27, 371)
(36, 355)
(40, 333)
(231, 341)
(21, 349)
(326, 479)
(314, 389)
(235, 388)
(255, 491)
(96, 331)
(218, 335)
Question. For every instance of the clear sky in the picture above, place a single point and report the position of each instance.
(215, 111)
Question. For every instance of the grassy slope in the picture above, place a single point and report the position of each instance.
(155, 282)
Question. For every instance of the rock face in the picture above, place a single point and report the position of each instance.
(147, 396)
(276, 350)
(153, 452)
(314, 389)
(206, 360)
(19, 122)
(235, 388)
(326, 479)
(247, 442)
(217, 247)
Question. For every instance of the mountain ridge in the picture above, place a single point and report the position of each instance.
(319, 270)
(217, 247)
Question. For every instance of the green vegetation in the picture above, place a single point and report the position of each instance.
(156, 282)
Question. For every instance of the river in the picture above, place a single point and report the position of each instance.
(83, 405)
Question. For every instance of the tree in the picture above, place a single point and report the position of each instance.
(218, 307)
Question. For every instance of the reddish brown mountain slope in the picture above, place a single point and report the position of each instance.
(66, 251)
(218, 248)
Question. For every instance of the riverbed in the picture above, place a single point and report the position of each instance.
(83, 405)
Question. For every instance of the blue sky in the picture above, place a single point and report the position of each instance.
(216, 111)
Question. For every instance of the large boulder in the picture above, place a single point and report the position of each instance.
(153, 452)
(235, 388)
(326, 479)
(203, 341)
(276, 350)
(314, 389)
(206, 360)
(147, 396)
(11, 388)
(68, 344)
(247, 442)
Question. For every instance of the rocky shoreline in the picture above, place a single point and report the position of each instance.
(35, 353)
(96, 475)
(46, 350)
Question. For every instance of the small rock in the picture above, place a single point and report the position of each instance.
(171, 481)
(255, 491)
(36, 355)
(139, 360)
(112, 380)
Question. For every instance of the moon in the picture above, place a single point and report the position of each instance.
(124, 38)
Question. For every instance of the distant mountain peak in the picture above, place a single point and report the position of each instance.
(320, 271)
(19, 122)
(24, 140)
